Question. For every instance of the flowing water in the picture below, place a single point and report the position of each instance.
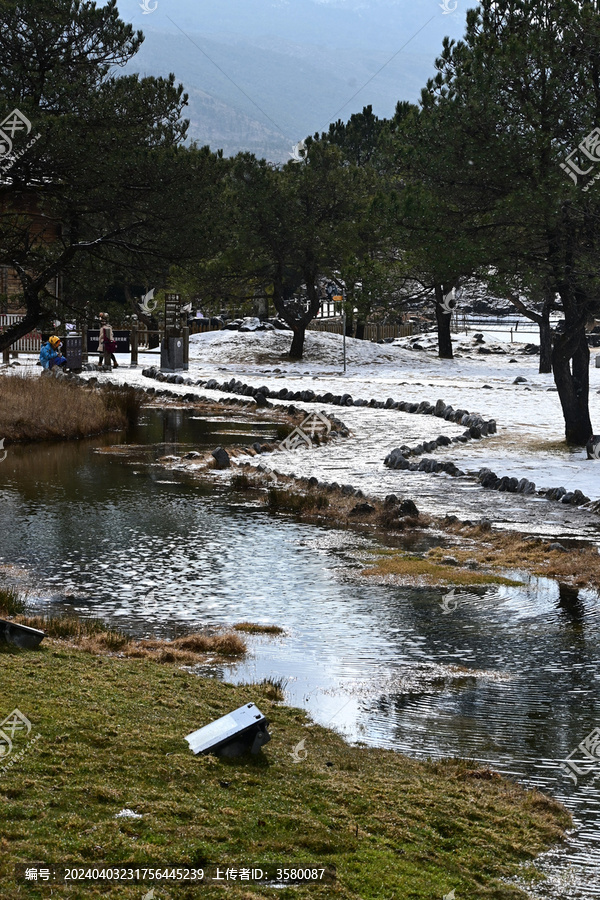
(509, 677)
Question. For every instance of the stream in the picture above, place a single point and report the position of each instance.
(507, 676)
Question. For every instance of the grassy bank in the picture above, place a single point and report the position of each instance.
(111, 738)
(49, 408)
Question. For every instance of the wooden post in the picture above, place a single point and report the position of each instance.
(84, 349)
(134, 343)
(6, 356)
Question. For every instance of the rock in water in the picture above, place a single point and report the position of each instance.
(222, 458)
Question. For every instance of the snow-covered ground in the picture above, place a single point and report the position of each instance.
(529, 442)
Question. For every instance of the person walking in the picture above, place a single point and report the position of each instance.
(106, 343)
(50, 354)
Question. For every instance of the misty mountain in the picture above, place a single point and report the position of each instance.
(262, 74)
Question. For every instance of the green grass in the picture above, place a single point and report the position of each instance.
(112, 737)
(420, 570)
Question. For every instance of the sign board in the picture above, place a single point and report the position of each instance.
(172, 311)
(244, 728)
(121, 338)
(72, 348)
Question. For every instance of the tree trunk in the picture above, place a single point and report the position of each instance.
(297, 348)
(545, 342)
(360, 329)
(572, 382)
(443, 325)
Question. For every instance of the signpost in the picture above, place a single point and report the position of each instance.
(172, 349)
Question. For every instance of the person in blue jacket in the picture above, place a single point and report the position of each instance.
(50, 354)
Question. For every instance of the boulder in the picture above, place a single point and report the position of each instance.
(222, 458)
(408, 508)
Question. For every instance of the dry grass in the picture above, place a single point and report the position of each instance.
(49, 408)
(94, 636)
(511, 550)
(255, 628)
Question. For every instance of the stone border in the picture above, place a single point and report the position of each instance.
(476, 426)
(487, 479)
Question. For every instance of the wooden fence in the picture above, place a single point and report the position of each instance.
(373, 331)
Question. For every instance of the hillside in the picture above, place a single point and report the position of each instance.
(262, 75)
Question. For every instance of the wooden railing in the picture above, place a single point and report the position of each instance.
(373, 331)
